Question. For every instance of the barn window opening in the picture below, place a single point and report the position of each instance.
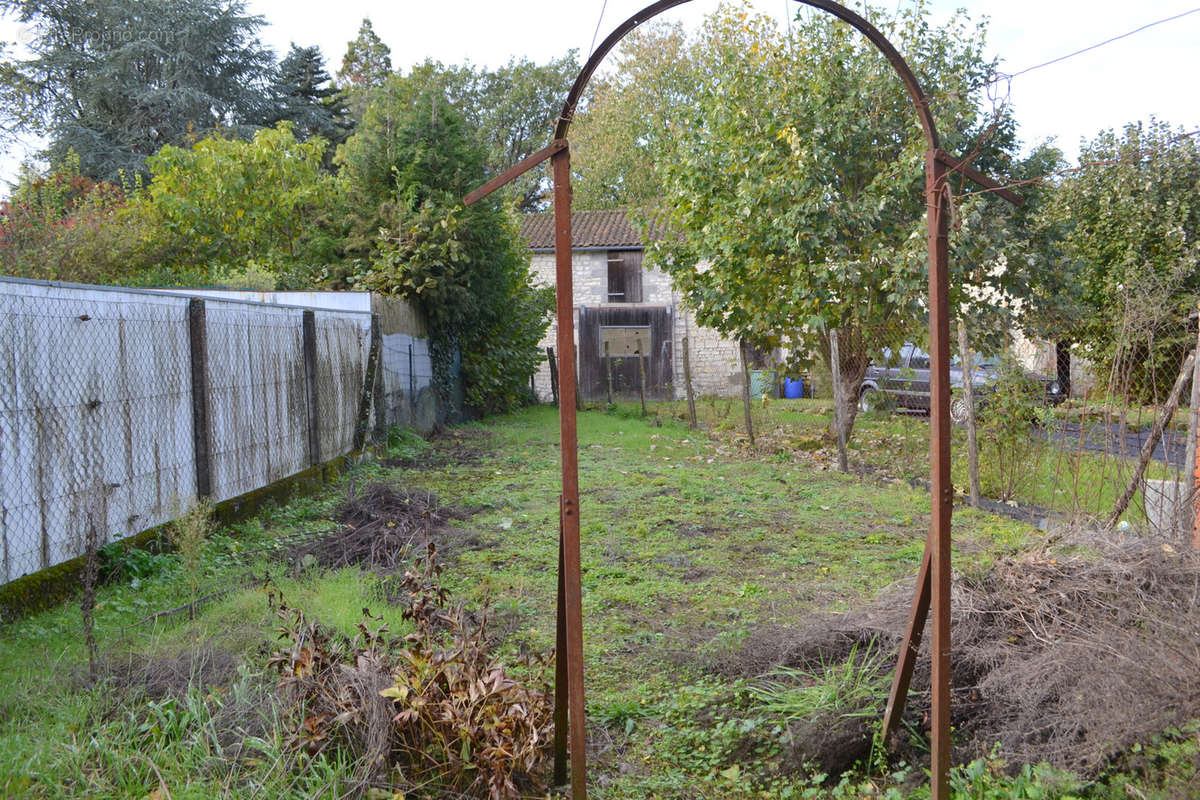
(624, 276)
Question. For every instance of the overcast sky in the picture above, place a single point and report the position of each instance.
(1153, 72)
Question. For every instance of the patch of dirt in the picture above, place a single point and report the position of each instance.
(1062, 657)
(379, 530)
(456, 447)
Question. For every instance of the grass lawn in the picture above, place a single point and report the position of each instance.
(692, 548)
(1051, 476)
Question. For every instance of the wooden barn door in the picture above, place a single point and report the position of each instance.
(622, 328)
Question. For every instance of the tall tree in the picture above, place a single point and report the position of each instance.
(797, 179)
(229, 201)
(510, 110)
(466, 267)
(619, 139)
(115, 81)
(365, 66)
(514, 108)
(305, 96)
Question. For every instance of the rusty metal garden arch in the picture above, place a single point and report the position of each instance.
(933, 579)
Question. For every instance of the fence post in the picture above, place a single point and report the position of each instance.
(578, 384)
(687, 380)
(412, 377)
(368, 390)
(641, 375)
(1191, 464)
(201, 421)
(379, 397)
(746, 390)
(310, 381)
(968, 373)
(835, 368)
(553, 374)
(607, 375)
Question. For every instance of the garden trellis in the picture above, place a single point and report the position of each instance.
(933, 580)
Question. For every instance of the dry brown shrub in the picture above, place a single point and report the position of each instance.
(1069, 657)
(1075, 658)
(169, 674)
(432, 714)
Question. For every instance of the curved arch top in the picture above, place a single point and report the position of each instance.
(915, 93)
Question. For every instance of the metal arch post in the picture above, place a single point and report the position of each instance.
(571, 583)
(941, 489)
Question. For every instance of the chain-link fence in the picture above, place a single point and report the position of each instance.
(1097, 433)
(1093, 433)
(95, 419)
(118, 408)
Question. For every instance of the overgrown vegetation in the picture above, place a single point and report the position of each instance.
(740, 635)
(432, 713)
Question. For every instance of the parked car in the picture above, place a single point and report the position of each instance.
(903, 382)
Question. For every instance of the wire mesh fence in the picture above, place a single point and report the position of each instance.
(119, 408)
(95, 419)
(1100, 436)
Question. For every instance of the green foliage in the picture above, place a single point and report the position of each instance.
(854, 687)
(189, 532)
(368, 61)
(619, 137)
(1010, 406)
(122, 560)
(797, 178)
(1129, 231)
(230, 201)
(62, 225)
(405, 169)
(988, 779)
(305, 96)
(513, 110)
(115, 81)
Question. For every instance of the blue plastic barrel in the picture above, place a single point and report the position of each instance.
(793, 388)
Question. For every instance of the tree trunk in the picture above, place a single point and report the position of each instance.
(746, 391)
(852, 367)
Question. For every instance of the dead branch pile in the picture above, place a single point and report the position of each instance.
(379, 529)
(1069, 658)
(1073, 659)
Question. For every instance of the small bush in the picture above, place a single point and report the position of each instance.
(434, 711)
(1014, 404)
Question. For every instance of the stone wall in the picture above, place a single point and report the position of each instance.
(714, 358)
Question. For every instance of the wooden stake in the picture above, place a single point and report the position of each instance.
(687, 379)
(641, 375)
(968, 371)
(835, 367)
(607, 374)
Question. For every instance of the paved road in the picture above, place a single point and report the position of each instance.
(1102, 438)
(1106, 438)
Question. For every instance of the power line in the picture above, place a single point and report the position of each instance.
(1098, 44)
(596, 33)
